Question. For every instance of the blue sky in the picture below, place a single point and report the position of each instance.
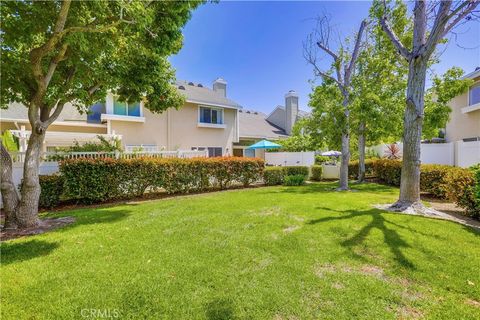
(257, 47)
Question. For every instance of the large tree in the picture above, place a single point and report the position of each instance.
(58, 52)
(432, 22)
(318, 44)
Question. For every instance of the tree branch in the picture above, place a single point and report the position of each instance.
(356, 51)
(54, 116)
(53, 64)
(470, 6)
(394, 38)
(327, 50)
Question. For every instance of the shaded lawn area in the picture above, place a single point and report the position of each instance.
(267, 253)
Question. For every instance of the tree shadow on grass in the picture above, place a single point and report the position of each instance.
(332, 186)
(391, 238)
(13, 251)
(220, 309)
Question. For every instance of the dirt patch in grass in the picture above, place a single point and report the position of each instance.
(44, 226)
(290, 229)
(406, 312)
(473, 303)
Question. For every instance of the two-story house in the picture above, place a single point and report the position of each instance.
(464, 123)
(208, 121)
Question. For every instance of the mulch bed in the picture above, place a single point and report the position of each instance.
(44, 226)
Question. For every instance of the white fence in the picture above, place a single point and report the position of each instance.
(56, 156)
(290, 158)
(459, 153)
(467, 153)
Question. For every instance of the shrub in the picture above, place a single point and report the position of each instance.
(321, 159)
(353, 168)
(51, 190)
(273, 176)
(388, 171)
(460, 187)
(296, 170)
(294, 180)
(316, 173)
(97, 180)
(432, 179)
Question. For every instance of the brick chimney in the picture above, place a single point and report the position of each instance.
(291, 110)
(220, 86)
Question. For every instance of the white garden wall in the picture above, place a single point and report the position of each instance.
(467, 153)
(290, 158)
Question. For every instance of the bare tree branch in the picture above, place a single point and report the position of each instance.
(394, 38)
(356, 51)
(469, 7)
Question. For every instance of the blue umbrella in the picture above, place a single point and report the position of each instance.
(264, 144)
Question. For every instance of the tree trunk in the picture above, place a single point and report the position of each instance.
(9, 191)
(361, 153)
(27, 210)
(345, 147)
(412, 135)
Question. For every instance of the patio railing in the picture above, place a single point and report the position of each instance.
(57, 156)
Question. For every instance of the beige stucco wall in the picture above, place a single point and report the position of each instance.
(177, 129)
(7, 125)
(462, 125)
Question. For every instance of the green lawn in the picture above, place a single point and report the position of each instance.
(267, 253)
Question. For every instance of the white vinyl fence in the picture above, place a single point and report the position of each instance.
(290, 158)
(467, 153)
(458, 153)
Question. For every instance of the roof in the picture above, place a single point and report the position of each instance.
(254, 124)
(197, 93)
(473, 74)
(301, 113)
(19, 111)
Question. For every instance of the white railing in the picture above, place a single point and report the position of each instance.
(18, 157)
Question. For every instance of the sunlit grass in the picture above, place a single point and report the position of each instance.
(267, 253)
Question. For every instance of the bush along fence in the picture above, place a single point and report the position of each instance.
(90, 181)
(459, 185)
(289, 175)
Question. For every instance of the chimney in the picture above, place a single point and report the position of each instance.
(220, 86)
(291, 110)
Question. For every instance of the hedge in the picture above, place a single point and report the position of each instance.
(459, 185)
(97, 180)
(276, 175)
(388, 171)
(51, 190)
(273, 176)
(316, 173)
(353, 168)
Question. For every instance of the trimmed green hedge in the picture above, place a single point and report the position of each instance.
(51, 187)
(316, 173)
(353, 168)
(97, 180)
(276, 175)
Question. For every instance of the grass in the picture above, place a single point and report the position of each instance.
(269, 253)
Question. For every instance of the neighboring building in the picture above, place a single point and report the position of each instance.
(464, 123)
(208, 121)
(255, 126)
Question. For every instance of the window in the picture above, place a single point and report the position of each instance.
(211, 115)
(125, 108)
(214, 152)
(250, 153)
(95, 111)
(474, 94)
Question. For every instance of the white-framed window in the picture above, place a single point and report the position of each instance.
(474, 94)
(210, 115)
(212, 151)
